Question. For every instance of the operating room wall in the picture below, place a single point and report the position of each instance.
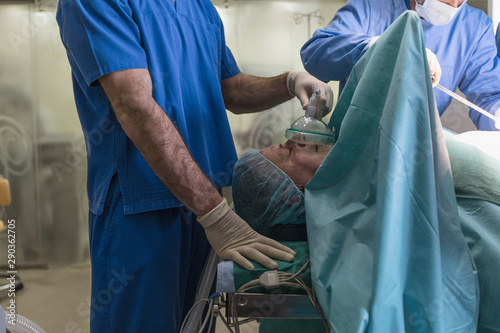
(42, 151)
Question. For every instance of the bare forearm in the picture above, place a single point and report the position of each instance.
(163, 148)
(156, 137)
(245, 93)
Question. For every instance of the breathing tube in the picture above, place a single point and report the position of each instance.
(194, 321)
(21, 324)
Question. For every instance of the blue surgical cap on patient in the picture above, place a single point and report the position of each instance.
(263, 194)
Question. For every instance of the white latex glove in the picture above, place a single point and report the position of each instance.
(434, 67)
(373, 40)
(301, 85)
(232, 238)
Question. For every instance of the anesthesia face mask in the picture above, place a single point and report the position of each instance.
(308, 129)
(436, 12)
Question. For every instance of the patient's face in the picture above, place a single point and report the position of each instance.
(298, 161)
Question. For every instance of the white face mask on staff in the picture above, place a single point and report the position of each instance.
(436, 12)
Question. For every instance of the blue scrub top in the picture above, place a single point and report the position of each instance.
(465, 48)
(183, 47)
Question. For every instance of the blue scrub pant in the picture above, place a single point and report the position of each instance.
(145, 267)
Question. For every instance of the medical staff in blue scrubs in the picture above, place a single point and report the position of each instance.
(152, 81)
(497, 38)
(461, 37)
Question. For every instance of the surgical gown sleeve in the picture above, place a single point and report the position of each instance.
(497, 38)
(332, 52)
(481, 80)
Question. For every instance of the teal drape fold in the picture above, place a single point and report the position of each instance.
(387, 252)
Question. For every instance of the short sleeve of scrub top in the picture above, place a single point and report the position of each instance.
(105, 41)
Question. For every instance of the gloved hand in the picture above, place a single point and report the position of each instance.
(434, 67)
(373, 40)
(301, 85)
(232, 238)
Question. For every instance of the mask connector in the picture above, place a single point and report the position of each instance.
(308, 129)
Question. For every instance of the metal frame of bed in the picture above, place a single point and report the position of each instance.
(241, 308)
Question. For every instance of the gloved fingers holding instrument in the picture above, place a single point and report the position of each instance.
(434, 67)
(373, 40)
(232, 238)
(303, 85)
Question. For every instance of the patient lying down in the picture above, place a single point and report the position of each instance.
(268, 189)
(268, 184)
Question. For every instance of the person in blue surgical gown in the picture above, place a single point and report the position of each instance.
(460, 42)
(497, 38)
(152, 81)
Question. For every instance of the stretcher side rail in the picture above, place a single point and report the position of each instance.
(274, 305)
(242, 308)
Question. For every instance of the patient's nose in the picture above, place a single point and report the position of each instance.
(293, 145)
